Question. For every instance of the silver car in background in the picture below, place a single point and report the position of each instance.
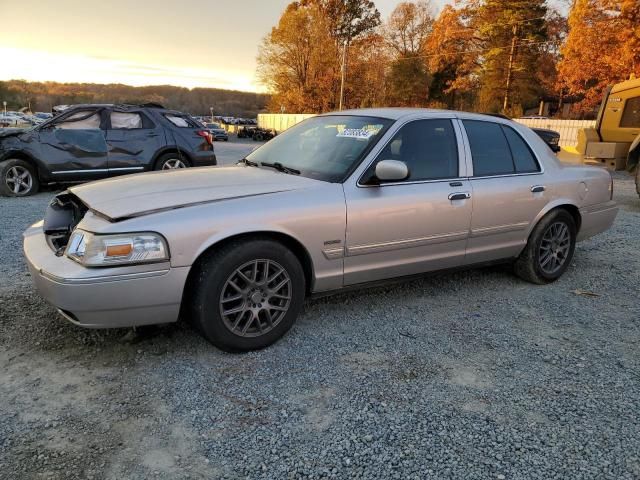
(337, 201)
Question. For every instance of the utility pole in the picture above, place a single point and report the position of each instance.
(343, 73)
(512, 55)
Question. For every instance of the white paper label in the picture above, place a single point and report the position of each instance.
(356, 133)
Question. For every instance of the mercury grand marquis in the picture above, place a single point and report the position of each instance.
(340, 200)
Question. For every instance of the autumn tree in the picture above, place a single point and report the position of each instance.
(511, 34)
(452, 58)
(406, 31)
(602, 47)
(300, 60)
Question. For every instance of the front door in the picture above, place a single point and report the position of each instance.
(416, 225)
(133, 140)
(75, 146)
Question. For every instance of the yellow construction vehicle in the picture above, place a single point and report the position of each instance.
(615, 140)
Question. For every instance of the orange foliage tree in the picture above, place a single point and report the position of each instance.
(602, 47)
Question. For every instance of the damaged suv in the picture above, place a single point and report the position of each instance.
(91, 141)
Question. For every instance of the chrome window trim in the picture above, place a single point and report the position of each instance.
(462, 167)
(506, 175)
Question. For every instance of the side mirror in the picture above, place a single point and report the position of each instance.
(391, 171)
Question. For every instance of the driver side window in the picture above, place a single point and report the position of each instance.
(428, 147)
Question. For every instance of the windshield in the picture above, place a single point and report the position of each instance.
(325, 148)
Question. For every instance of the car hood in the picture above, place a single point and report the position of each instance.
(12, 132)
(145, 193)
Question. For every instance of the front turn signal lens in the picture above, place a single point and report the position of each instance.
(92, 250)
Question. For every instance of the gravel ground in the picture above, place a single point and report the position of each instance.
(473, 375)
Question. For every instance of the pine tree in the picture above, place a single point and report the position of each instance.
(511, 33)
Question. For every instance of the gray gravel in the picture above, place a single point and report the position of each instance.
(471, 375)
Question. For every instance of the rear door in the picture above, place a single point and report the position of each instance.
(508, 190)
(133, 140)
(74, 146)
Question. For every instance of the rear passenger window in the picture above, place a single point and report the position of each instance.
(522, 155)
(428, 147)
(125, 120)
(498, 150)
(489, 148)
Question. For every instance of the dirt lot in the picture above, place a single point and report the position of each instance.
(469, 375)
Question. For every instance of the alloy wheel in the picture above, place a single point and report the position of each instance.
(255, 298)
(19, 180)
(554, 247)
(173, 164)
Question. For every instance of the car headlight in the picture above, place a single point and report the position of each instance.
(93, 250)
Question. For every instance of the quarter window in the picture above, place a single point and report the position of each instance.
(522, 156)
(631, 113)
(428, 147)
(498, 150)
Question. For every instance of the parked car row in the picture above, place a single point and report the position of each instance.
(338, 201)
(94, 141)
(20, 119)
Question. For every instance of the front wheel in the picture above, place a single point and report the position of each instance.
(247, 294)
(549, 250)
(17, 179)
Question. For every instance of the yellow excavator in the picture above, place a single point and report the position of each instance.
(615, 140)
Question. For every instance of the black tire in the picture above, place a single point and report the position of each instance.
(638, 179)
(18, 179)
(163, 161)
(530, 264)
(212, 277)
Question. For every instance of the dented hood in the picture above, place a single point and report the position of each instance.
(142, 194)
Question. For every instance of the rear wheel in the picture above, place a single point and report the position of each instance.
(171, 161)
(549, 250)
(248, 294)
(638, 179)
(17, 179)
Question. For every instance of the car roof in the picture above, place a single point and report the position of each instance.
(398, 113)
(120, 107)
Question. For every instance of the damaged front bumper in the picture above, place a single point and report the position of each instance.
(104, 297)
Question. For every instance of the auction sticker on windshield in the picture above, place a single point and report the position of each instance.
(359, 133)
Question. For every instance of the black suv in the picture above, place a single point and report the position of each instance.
(89, 142)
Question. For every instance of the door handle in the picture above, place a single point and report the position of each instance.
(459, 196)
(538, 188)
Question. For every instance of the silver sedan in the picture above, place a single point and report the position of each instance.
(340, 200)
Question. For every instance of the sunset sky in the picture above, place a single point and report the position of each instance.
(204, 43)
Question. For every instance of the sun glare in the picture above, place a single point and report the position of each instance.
(34, 65)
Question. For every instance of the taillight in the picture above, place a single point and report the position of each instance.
(206, 135)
